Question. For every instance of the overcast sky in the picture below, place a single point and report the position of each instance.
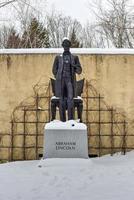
(76, 8)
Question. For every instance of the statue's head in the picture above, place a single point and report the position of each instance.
(66, 44)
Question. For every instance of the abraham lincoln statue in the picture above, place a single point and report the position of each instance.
(65, 68)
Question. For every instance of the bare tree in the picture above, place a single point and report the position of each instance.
(115, 22)
(35, 36)
(4, 34)
(22, 15)
(5, 3)
(60, 26)
(91, 38)
(28, 33)
(13, 39)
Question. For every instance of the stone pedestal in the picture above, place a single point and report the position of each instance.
(65, 140)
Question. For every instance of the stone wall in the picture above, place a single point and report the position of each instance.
(112, 75)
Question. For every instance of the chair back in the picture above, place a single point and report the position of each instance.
(53, 86)
(79, 87)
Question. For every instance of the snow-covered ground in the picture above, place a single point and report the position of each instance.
(105, 178)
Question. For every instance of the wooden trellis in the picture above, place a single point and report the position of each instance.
(107, 129)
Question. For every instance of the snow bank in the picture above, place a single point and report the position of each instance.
(73, 50)
(105, 178)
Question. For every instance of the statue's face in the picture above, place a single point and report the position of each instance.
(66, 45)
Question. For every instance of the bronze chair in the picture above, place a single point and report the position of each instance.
(78, 102)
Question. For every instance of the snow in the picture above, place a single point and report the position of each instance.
(105, 178)
(68, 125)
(54, 97)
(99, 51)
(78, 97)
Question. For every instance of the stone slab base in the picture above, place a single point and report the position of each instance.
(65, 140)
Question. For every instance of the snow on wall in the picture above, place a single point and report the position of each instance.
(73, 50)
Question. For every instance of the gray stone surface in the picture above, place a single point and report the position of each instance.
(65, 140)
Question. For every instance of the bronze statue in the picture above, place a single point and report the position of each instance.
(65, 68)
(78, 101)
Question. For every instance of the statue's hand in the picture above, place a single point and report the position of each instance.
(77, 68)
(74, 66)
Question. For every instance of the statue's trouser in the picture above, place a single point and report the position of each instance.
(79, 111)
(67, 86)
(53, 111)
